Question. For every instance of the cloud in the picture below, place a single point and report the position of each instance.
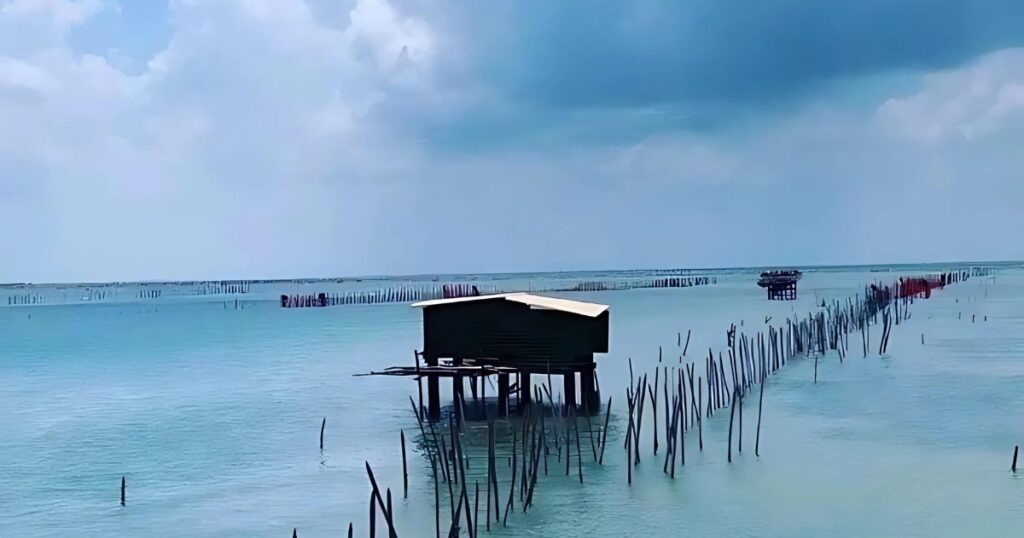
(245, 140)
(604, 53)
(973, 103)
(282, 138)
(30, 24)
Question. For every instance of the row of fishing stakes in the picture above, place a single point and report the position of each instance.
(548, 432)
(728, 380)
(413, 293)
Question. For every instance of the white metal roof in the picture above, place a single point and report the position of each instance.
(534, 301)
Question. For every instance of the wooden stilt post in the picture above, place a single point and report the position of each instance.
(502, 395)
(524, 390)
(433, 392)
(569, 387)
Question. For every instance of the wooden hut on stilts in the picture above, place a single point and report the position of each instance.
(513, 334)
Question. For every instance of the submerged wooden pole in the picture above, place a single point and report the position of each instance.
(437, 500)
(512, 487)
(653, 390)
(1013, 466)
(604, 431)
(757, 438)
(405, 468)
(123, 484)
(476, 510)
(391, 526)
(579, 455)
(380, 500)
(740, 444)
(419, 384)
(493, 482)
(700, 419)
(732, 414)
(373, 517)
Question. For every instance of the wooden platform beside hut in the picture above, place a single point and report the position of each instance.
(510, 334)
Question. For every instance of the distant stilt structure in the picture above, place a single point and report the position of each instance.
(781, 285)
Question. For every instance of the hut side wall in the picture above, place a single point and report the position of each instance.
(513, 334)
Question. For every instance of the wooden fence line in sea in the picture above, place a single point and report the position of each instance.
(414, 293)
(749, 360)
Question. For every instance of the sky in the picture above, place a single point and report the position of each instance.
(207, 139)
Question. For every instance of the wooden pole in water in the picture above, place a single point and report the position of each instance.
(629, 452)
(437, 499)
(654, 408)
(123, 483)
(1013, 466)
(512, 488)
(757, 437)
(323, 425)
(487, 503)
(453, 531)
(741, 425)
(700, 419)
(405, 468)
(604, 431)
(494, 475)
(579, 455)
(380, 500)
(391, 529)
(419, 382)
(350, 530)
(476, 510)
(373, 517)
(732, 414)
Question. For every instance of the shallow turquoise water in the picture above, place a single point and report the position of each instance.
(213, 415)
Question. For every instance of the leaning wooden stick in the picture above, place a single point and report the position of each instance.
(405, 468)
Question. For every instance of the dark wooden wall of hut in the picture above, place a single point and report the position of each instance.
(513, 334)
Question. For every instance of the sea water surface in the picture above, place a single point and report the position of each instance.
(213, 414)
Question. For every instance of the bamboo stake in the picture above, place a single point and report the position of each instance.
(654, 409)
(405, 468)
(437, 499)
(373, 517)
(757, 438)
(604, 431)
(731, 415)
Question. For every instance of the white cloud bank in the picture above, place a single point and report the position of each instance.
(263, 142)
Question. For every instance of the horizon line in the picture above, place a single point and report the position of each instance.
(418, 276)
